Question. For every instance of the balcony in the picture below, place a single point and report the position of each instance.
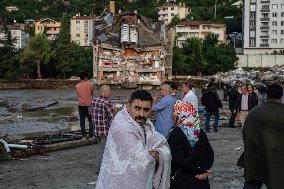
(265, 19)
(265, 1)
(265, 10)
(264, 27)
(264, 45)
(264, 36)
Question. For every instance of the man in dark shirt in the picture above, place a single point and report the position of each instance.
(212, 103)
(233, 95)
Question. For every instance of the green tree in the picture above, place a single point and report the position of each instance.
(194, 61)
(219, 56)
(37, 52)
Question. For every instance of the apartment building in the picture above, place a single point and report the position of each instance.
(21, 38)
(49, 26)
(171, 9)
(199, 29)
(263, 26)
(82, 30)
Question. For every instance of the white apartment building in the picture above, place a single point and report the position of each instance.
(82, 30)
(171, 9)
(263, 26)
(21, 38)
(199, 29)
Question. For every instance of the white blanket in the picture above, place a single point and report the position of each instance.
(126, 162)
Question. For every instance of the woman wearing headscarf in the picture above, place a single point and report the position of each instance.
(192, 154)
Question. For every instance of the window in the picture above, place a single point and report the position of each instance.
(282, 6)
(265, 15)
(282, 23)
(252, 8)
(77, 28)
(77, 35)
(252, 1)
(274, 14)
(274, 41)
(252, 42)
(282, 14)
(264, 41)
(77, 21)
(252, 16)
(265, 6)
(281, 41)
(252, 33)
(274, 6)
(274, 23)
(172, 8)
(172, 14)
(282, 32)
(274, 32)
(252, 24)
(264, 24)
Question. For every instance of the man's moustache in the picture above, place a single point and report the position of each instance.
(140, 117)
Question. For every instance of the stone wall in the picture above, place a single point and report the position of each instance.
(260, 61)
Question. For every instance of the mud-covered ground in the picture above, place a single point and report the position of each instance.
(75, 168)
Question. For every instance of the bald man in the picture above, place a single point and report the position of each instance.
(164, 110)
(102, 112)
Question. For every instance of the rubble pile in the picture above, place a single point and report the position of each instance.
(254, 77)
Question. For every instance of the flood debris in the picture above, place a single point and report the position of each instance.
(38, 106)
(254, 77)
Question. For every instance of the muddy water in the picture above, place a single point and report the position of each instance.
(17, 123)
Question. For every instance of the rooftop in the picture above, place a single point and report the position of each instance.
(196, 23)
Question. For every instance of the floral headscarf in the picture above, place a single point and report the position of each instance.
(188, 121)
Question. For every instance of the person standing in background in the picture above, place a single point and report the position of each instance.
(212, 103)
(84, 90)
(164, 111)
(233, 95)
(189, 96)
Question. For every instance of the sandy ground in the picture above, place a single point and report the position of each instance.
(75, 168)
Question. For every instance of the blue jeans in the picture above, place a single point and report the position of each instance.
(216, 120)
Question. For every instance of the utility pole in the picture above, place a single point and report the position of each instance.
(215, 9)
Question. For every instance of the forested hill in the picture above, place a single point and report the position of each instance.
(201, 9)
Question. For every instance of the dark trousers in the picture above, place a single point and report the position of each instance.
(216, 120)
(84, 112)
(253, 184)
(232, 119)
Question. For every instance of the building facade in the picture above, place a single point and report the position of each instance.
(49, 26)
(171, 9)
(199, 29)
(82, 30)
(263, 26)
(20, 37)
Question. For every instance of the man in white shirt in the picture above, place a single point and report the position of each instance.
(189, 96)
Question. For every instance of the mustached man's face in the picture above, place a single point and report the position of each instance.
(140, 111)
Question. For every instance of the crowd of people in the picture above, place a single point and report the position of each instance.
(175, 151)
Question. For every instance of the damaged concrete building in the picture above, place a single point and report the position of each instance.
(130, 50)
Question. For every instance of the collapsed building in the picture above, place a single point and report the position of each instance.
(130, 50)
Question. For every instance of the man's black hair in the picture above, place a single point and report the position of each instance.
(188, 85)
(174, 87)
(141, 95)
(84, 75)
(275, 92)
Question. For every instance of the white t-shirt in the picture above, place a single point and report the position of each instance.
(191, 98)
